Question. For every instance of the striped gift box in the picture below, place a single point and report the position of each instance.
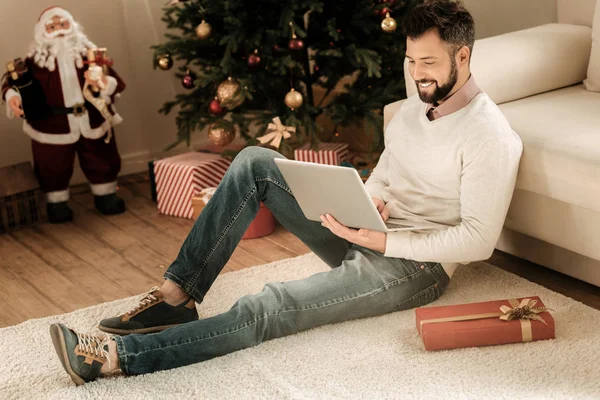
(180, 177)
(327, 153)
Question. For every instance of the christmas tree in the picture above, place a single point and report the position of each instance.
(246, 62)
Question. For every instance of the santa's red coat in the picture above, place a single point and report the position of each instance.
(52, 86)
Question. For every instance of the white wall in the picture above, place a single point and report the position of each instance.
(129, 27)
(494, 17)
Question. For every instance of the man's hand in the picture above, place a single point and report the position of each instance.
(15, 105)
(373, 240)
(383, 210)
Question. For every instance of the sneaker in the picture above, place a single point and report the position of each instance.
(151, 314)
(81, 355)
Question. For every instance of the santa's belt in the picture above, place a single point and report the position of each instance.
(77, 110)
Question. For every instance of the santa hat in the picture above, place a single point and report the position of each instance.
(50, 12)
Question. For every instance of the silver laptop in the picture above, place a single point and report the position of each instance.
(339, 191)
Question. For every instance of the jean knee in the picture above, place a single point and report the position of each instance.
(256, 158)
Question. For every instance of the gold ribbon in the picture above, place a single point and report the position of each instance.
(524, 311)
(277, 131)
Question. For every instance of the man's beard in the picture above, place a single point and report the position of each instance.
(440, 92)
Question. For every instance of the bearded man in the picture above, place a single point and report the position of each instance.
(450, 157)
(74, 122)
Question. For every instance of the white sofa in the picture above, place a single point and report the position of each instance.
(535, 76)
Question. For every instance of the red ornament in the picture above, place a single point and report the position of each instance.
(384, 11)
(188, 81)
(254, 60)
(296, 44)
(215, 107)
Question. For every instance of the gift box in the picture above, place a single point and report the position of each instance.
(152, 180)
(326, 153)
(199, 200)
(484, 324)
(262, 225)
(22, 202)
(180, 177)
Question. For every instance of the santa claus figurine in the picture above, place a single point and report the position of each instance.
(78, 114)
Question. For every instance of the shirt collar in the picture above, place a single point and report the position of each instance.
(458, 100)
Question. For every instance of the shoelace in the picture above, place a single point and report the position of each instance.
(147, 298)
(93, 345)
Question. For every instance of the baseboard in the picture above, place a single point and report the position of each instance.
(543, 253)
(135, 162)
(130, 164)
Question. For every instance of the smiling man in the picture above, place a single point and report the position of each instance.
(450, 157)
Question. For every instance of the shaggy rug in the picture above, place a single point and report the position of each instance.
(374, 358)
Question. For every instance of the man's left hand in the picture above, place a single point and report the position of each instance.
(373, 240)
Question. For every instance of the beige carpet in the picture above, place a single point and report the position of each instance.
(373, 358)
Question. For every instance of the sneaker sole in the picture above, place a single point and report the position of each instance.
(153, 329)
(58, 340)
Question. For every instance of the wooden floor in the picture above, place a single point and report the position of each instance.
(52, 269)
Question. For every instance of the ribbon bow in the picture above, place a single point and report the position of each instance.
(525, 310)
(277, 131)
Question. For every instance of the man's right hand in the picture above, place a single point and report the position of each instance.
(383, 210)
(15, 105)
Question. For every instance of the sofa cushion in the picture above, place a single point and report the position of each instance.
(592, 81)
(519, 64)
(560, 131)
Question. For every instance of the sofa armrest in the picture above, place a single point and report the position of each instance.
(389, 111)
(524, 63)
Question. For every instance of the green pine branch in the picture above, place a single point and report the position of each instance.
(345, 39)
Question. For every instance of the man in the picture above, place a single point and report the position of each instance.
(450, 157)
(74, 124)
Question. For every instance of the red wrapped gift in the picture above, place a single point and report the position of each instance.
(482, 324)
(327, 153)
(180, 177)
(262, 225)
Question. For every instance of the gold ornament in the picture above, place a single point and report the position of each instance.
(230, 93)
(389, 24)
(293, 99)
(221, 133)
(276, 132)
(203, 30)
(165, 62)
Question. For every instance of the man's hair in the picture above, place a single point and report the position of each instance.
(453, 22)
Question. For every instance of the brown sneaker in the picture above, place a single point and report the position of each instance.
(81, 355)
(152, 314)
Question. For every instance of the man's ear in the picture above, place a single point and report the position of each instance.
(462, 55)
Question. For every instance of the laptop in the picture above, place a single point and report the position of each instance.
(339, 191)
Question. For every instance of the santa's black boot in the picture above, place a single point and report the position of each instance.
(109, 204)
(59, 212)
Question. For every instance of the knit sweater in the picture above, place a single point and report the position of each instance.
(458, 171)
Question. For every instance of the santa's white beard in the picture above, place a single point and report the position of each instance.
(45, 49)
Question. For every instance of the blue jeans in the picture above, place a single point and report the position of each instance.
(362, 282)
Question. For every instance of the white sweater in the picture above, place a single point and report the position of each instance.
(459, 170)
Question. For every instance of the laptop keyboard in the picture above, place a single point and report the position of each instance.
(392, 225)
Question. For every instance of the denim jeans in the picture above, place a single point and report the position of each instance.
(361, 283)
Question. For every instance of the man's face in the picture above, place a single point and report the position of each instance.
(58, 26)
(431, 66)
